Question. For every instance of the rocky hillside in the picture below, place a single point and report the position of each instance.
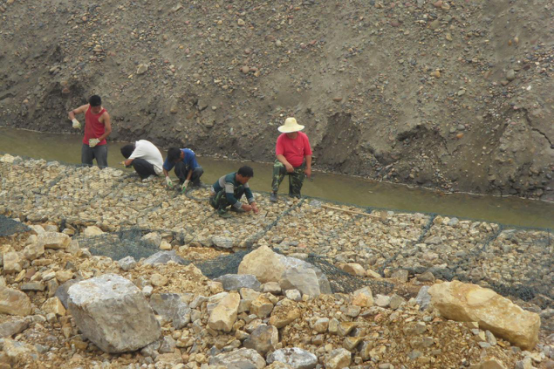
(450, 94)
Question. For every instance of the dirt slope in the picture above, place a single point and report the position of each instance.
(452, 94)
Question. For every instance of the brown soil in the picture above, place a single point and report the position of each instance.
(450, 94)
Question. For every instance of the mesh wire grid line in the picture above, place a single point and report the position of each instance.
(476, 263)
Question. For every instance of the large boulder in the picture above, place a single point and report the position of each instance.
(113, 314)
(14, 302)
(224, 314)
(305, 280)
(294, 273)
(262, 263)
(301, 265)
(468, 302)
(244, 358)
(295, 357)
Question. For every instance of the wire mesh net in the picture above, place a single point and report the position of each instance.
(9, 226)
(516, 262)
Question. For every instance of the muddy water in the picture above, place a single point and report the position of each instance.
(511, 211)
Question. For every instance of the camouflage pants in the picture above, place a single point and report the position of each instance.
(296, 178)
(219, 200)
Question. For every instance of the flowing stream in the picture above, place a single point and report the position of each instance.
(339, 188)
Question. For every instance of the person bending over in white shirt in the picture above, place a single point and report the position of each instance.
(145, 158)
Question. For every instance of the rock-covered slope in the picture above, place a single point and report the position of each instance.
(453, 94)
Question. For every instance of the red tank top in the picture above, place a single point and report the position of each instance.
(93, 127)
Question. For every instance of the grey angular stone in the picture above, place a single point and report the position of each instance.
(291, 262)
(382, 300)
(172, 308)
(222, 242)
(127, 263)
(236, 282)
(295, 357)
(423, 298)
(113, 314)
(9, 328)
(164, 257)
(293, 295)
(33, 286)
(396, 301)
(244, 358)
(305, 280)
(263, 339)
(400, 275)
(154, 239)
(61, 291)
(167, 345)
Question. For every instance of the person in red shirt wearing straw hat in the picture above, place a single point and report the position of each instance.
(97, 128)
(294, 158)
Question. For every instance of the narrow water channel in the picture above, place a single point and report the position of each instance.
(339, 188)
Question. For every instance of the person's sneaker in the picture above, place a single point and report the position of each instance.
(223, 213)
(273, 198)
(233, 209)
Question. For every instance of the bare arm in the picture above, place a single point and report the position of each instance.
(81, 109)
(108, 125)
(128, 162)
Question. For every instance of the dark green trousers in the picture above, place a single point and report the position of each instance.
(296, 178)
(220, 202)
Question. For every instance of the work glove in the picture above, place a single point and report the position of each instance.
(76, 124)
(168, 182)
(185, 186)
(93, 142)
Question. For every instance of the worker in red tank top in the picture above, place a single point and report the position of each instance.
(97, 128)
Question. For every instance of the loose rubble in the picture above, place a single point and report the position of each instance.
(281, 307)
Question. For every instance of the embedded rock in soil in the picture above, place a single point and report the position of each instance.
(224, 314)
(172, 308)
(244, 358)
(14, 302)
(112, 312)
(236, 282)
(469, 302)
(295, 357)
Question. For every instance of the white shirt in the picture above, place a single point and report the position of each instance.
(146, 150)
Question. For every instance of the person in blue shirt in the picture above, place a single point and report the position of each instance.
(187, 168)
(228, 190)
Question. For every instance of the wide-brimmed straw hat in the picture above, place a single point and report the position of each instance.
(290, 126)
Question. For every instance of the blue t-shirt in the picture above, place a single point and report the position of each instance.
(189, 161)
